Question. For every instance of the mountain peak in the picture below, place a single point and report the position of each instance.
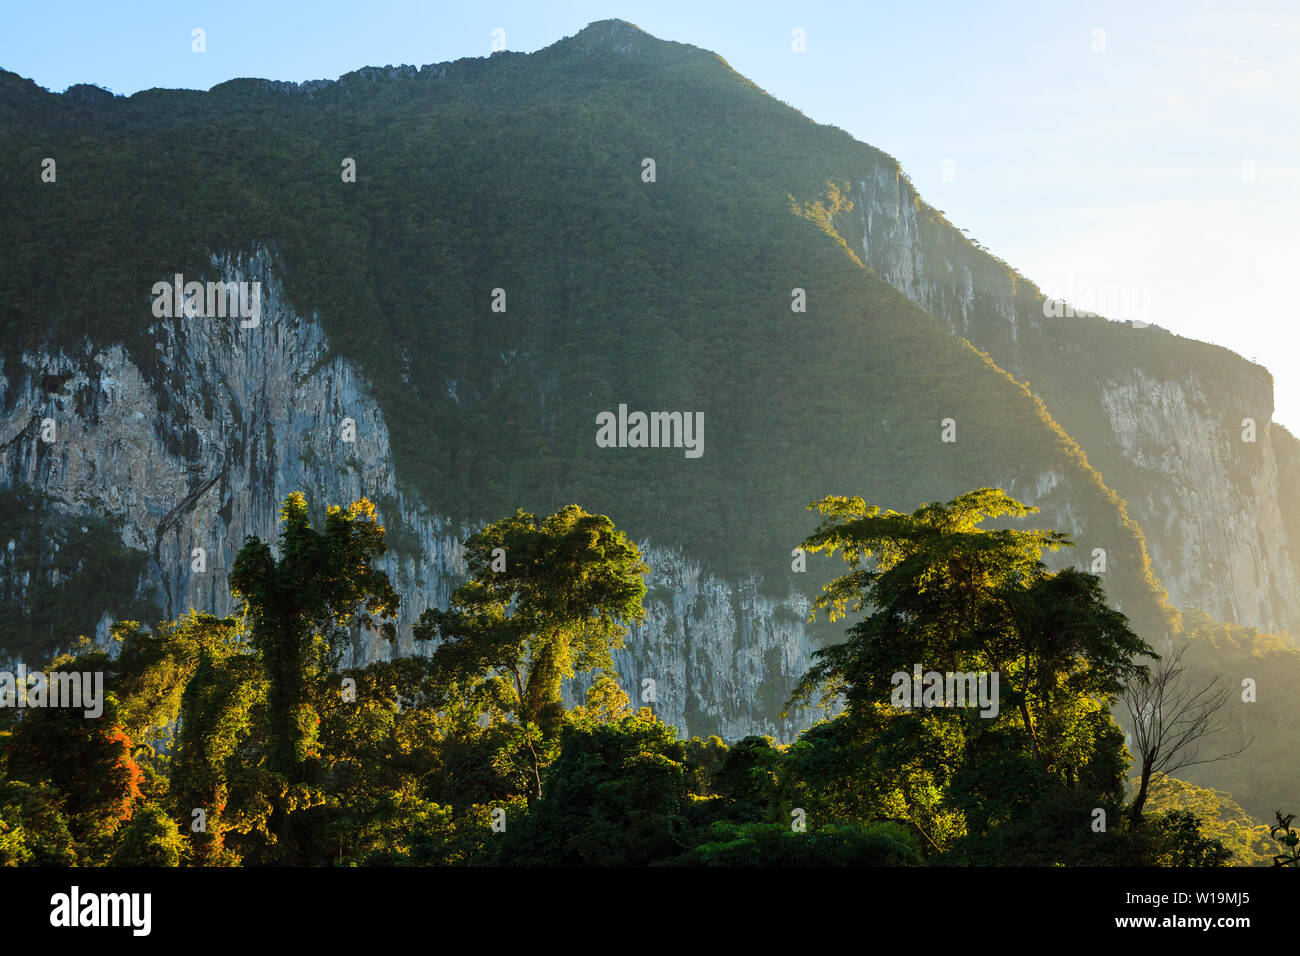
(613, 27)
(614, 35)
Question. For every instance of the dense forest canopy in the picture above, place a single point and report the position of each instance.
(237, 741)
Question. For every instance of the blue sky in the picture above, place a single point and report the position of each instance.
(1157, 161)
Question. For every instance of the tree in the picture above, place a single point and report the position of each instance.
(1289, 838)
(749, 780)
(1170, 720)
(1222, 819)
(154, 666)
(33, 826)
(150, 839)
(91, 763)
(544, 600)
(299, 607)
(617, 795)
(775, 844)
(1184, 842)
(946, 593)
(217, 756)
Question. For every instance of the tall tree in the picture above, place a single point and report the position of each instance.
(946, 593)
(544, 600)
(299, 608)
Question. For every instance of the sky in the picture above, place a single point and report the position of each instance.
(1142, 156)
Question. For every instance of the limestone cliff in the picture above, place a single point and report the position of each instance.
(1160, 416)
(233, 420)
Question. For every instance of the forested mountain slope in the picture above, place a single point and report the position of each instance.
(519, 181)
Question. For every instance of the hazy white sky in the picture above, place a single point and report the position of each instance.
(1160, 156)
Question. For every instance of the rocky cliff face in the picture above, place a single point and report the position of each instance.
(200, 450)
(1161, 417)
(200, 447)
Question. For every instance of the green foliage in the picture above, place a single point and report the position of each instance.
(33, 827)
(1057, 829)
(395, 829)
(947, 594)
(1019, 785)
(771, 844)
(150, 839)
(544, 600)
(90, 763)
(1264, 776)
(467, 757)
(616, 796)
(299, 606)
(1288, 840)
(218, 763)
(153, 668)
(749, 780)
(1221, 818)
(1181, 834)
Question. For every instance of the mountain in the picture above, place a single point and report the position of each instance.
(518, 182)
(1162, 416)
